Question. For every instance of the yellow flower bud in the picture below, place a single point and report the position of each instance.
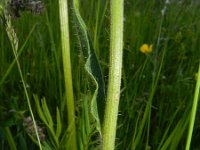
(145, 48)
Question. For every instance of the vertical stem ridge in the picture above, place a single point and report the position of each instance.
(113, 95)
(64, 27)
(193, 112)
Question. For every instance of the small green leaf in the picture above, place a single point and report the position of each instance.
(59, 123)
(39, 109)
(47, 113)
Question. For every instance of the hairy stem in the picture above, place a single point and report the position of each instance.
(113, 95)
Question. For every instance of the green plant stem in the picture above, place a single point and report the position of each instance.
(27, 96)
(10, 139)
(193, 112)
(2, 80)
(64, 27)
(14, 43)
(113, 95)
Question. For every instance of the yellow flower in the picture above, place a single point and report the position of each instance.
(145, 48)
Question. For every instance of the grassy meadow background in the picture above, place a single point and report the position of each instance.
(163, 79)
